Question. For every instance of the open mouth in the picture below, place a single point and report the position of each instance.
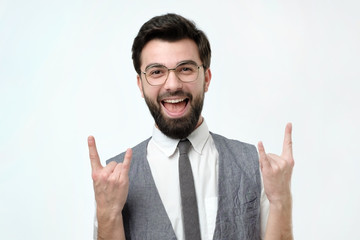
(175, 107)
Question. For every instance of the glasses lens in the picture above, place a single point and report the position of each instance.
(156, 75)
(187, 72)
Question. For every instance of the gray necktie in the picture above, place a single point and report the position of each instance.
(188, 196)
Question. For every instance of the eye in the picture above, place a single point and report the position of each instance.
(186, 69)
(156, 72)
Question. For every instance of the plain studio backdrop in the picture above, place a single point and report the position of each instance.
(66, 73)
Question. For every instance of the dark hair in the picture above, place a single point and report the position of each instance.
(170, 27)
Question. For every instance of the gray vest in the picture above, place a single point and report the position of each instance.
(238, 214)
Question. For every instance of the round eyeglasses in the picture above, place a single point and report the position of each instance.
(157, 74)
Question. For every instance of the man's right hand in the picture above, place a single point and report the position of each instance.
(111, 185)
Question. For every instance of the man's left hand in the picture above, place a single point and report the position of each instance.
(277, 170)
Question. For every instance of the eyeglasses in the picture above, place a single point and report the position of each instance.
(157, 74)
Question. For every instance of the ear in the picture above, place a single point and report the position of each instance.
(139, 83)
(207, 79)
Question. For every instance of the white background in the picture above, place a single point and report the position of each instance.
(66, 72)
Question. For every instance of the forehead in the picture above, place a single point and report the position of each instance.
(169, 53)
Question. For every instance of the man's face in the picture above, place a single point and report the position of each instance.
(176, 106)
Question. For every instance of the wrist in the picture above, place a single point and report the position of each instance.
(108, 214)
(279, 224)
(110, 226)
(282, 203)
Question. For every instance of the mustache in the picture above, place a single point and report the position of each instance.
(178, 93)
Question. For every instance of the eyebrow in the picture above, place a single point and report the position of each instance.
(178, 64)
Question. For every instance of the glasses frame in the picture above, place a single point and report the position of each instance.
(173, 69)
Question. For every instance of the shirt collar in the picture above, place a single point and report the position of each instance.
(168, 145)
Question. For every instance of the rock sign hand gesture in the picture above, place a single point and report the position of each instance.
(111, 185)
(276, 171)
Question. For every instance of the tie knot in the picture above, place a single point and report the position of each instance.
(184, 146)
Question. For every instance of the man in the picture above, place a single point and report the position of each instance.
(140, 194)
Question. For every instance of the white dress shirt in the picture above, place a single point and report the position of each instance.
(163, 155)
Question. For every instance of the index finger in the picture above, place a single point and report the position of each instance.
(287, 145)
(93, 154)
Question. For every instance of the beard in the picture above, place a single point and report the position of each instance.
(177, 128)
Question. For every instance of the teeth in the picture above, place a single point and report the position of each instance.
(174, 100)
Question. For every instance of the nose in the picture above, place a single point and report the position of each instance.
(172, 83)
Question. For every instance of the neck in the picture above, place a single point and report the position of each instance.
(201, 119)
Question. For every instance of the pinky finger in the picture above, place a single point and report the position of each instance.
(264, 161)
(126, 164)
